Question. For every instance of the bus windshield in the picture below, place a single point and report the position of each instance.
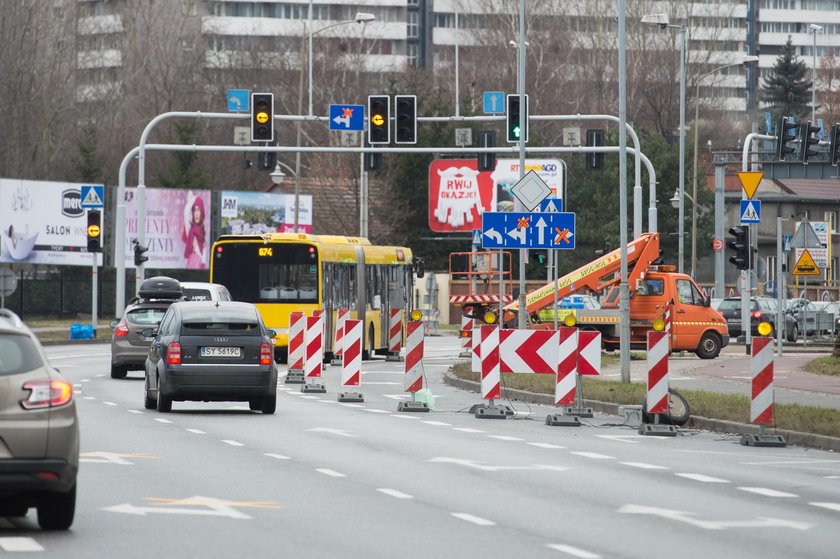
(267, 273)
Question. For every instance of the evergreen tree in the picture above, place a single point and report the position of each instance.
(87, 166)
(786, 89)
(184, 173)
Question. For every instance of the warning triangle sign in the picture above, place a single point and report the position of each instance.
(750, 181)
(806, 266)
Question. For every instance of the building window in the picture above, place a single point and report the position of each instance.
(412, 25)
(412, 51)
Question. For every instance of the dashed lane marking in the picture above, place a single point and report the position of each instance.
(474, 519)
(19, 544)
(328, 472)
(162, 420)
(703, 478)
(374, 410)
(546, 445)
(829, 506)
(394, 493)
(232, 443)
(468, 430)
(136, 411)
(644, 466)
(438, 423)
(277, 456)
(505, 438)
(110, 403)
(767, 492)
(573, 551)
(197, 431)
(594, 455)
(402, 416)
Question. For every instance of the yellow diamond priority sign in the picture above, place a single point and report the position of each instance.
(806, 266)
(750, 181)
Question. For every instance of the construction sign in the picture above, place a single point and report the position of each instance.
(806, 266)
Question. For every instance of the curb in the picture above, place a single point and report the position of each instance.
(809, 440)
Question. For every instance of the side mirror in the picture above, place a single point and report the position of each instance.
(707, 302)
(419, 267)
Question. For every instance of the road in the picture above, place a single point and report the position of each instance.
(323, 479)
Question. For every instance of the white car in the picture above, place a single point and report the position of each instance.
(201, 291)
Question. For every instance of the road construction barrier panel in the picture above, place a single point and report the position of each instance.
(394, 334)
(319, 313)
(491, 366)
(313, 339)
(657, 400)
(475, 357)
(414, 356)
(566, 381)
(668, 319)
(761, 402)
(528, 351)
(295, 348)
(351, 365)
(341, 315)
(466, 335)
(589, 353)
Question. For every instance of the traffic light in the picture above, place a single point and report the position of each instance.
(513, 112)
(139, 253)
(262, 117)
(741, 246)
(406, 119)
(487, 160)
(267, 160)
(784, 137)
(541, 257)
(379, 119)
(94, 231)
(808, 137)
(594, 138)
(834, 147)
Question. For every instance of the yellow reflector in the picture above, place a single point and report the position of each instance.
(764, 328)
(570, 320)
(490, 317)
(416, 314)
(659, 325)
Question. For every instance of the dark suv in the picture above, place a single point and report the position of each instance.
(213, 351)
(762, 309)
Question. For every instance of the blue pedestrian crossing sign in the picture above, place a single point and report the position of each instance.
(528, 230)
(750, 211)
(476, 240)
(238, 100)
(93, 196)
(551, 205)
(347, 117)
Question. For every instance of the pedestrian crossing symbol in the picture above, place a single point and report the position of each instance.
(750, 211)
(93, 196)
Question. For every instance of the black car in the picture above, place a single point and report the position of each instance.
(762, 309)
(211, 351)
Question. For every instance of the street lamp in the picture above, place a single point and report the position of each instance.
(277, 175)
(746, 60)
(664, 22)
(814, 28)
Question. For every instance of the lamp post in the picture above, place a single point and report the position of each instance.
(746, 60)
(663, 21)
(814, 28)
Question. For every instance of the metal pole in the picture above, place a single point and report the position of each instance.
(780, 312)
(681, 216)
(720, 172)
(298, 125)
(309, 67)
(523, 312)
(694, 187)
(814, 79)
(623, 289)
(457, 80)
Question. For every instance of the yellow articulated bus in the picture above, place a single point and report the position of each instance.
(286, 272)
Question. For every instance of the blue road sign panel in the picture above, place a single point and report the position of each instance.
(494, 102)
(551, 205)
(528, 230)
(750, 211)
(93, 196)
(786, 242)
(476, 240)
(238, 100)
(347, 117)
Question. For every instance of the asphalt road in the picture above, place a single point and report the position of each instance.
(327, 479)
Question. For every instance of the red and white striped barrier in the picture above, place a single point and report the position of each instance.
(461, 299)
(395, 331)
(761, 403)
(342, 315)
(351, 365)
(657, 362)
(466, 336)
(313, 339)
(589, 353)
(490, 363)
(564, 390)
(669, 318)
(414, 347)
(297, 327)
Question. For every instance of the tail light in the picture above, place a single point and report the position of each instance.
(266, 354)
(173, 353)
(121, 329)
(47, 394)
(756, 314)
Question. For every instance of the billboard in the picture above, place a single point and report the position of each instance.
(255, 213)
(550, 170)
(43, 222)
(177, 227)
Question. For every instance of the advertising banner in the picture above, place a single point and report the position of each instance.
(255, 213)
(458, 195)
(177, 228)
(43, 222)
(549, 170)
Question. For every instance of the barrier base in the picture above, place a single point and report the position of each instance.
(295, 377)
(484, 411)
(580, 412)
(632, 415)
(350, 397)
(393, 357)
(561, 420)
(336, 361)
(658, 430)
(763, 440)
(465, 354)
(413, 406)
(313, 387)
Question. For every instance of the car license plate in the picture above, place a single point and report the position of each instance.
(220, 352)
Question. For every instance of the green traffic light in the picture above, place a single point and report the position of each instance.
(515, 131)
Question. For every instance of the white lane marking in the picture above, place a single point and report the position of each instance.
(767, 492)
(374, 410)
(437, 423)
(135, 411)
(645, 466)
(110, 403)
(689, 518)
(402, 416)
(832, 477)
(328, 401)
(394, 493)
(829, 506)
(505, 438)
(625, 438)
(468, 430)
(703, 478)
(594, 455)
(332, 431)
(352, 405)
(232, 443)
(85, 380)
(89, 398)
(310, 397)
(98, 376)
(546, 445)
(573, 551)
(19, 544)
(277, 456)
(161, 420)
(197, 431)
(328, 472)
(474, 519)
(479, 466)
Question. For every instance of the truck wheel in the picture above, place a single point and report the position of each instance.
(709, 347)
(678, 410)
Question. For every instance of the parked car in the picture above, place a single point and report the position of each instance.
(211, 351)
(762, 309)
(832, 308)
(39, 430)
(200, 291)
(567, 305)
(808, 317)
(129, 347)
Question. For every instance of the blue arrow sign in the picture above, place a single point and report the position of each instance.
(528, 230)
(347, 117)
(750, 211)
(238, 100)
(93, 196)
(494, 102)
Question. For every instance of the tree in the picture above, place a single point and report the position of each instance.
(184, 173)
(87, 166)
(786, 89)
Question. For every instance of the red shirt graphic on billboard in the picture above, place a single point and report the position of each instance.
(458, 195)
